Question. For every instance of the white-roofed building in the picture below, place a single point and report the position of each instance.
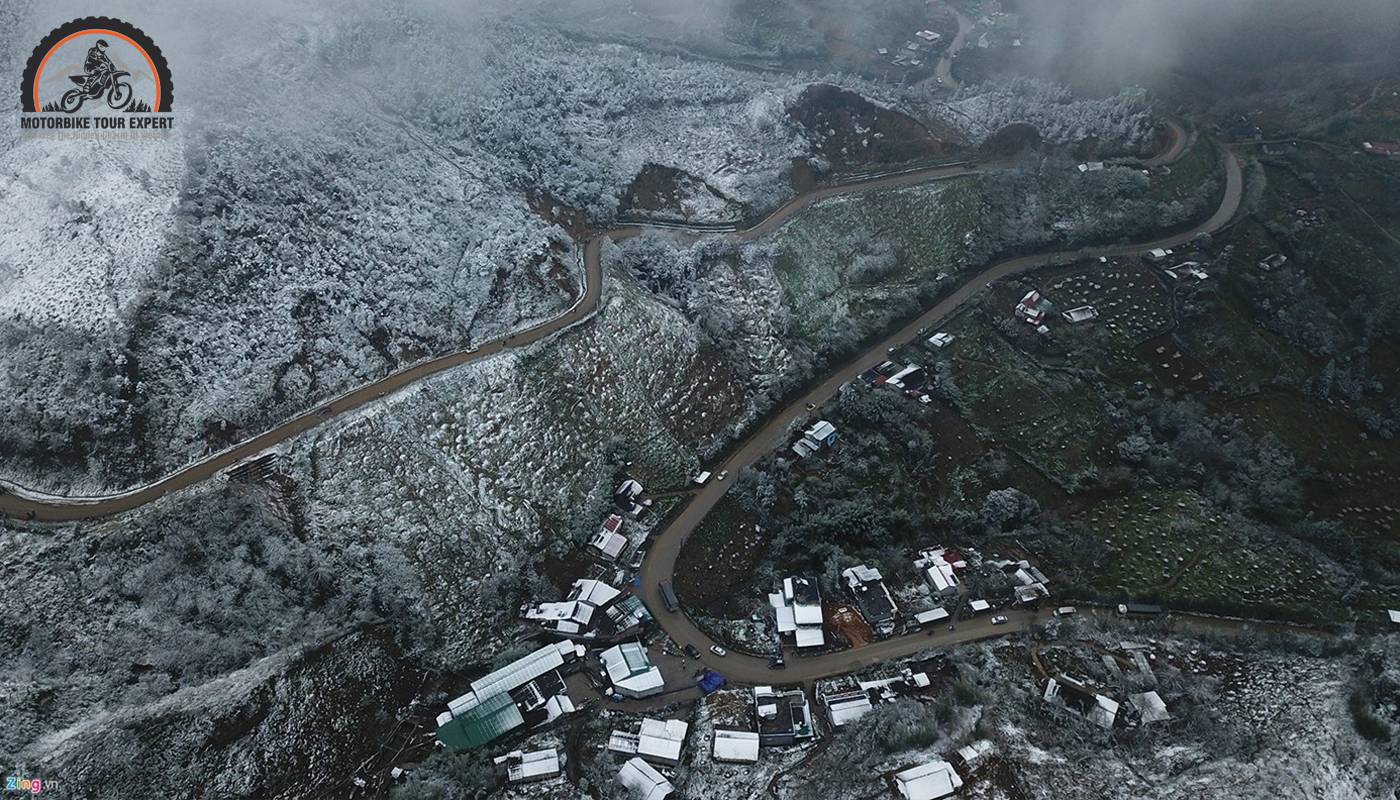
(631, 672)
(798, 610)
(498, 701)
(576, 614)
(927, 781)
(642, 779)
(822, 434)
(931, 616)
(609, 541)
(978, 606)
(736, 747)
(847, 707)
(521, 767)
(939, 572)
(658, 741)
(1394, 616)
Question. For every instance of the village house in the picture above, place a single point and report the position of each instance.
(815, 439)
(657, 741)
(847, 699)
(1075, 316)
(1159, 254)
(939, 567)
(643, 781)
(736, 747)
(781, 717)
(628, 498)
(1383, 149)
(609, 541)
(872, 598)
(1150, 707)
(1273, 262)
(1032, 308)
(929, 781)
(1187, 269)
(592, 609)
(973, 755)
(527, 692)
(798, 610)
(630, 672)
(941, 340)
(930, 617)
(1031, 583)
(521, 767)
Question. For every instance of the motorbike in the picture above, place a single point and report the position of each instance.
(117, 90)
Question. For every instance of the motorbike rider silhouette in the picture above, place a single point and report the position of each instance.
(98, 66)
(100, 76)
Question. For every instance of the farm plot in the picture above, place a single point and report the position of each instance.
(860, 258)
(1131, 304)
(715, 569)
(1049, 418)
(1174, 547)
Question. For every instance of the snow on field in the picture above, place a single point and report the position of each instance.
(81, 225)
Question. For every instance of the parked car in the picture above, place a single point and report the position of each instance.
(776, 662)
(724, 473)
(719, 651)
(999, 620)
(1065, 611)
(692, 651)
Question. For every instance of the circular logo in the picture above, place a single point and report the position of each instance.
(96, 66)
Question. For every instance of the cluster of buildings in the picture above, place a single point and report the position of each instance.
(1180, 271)
(592, 609)
(525, 693)
(1030, 583)
(847, 699)
(913, 52)
(630, 502)
(765, 716)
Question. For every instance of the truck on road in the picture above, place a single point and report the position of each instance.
(668, 595)
(1140, 610)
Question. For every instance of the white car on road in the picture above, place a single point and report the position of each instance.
(999, 620)
(719, 651)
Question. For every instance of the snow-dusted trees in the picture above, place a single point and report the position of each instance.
(1117, 124)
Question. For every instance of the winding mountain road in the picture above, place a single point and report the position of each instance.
(19, 502)
(665, 547)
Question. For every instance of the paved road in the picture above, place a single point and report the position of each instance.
(665, 548)
(944, 71)
(19, 502)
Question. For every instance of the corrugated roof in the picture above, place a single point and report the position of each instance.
(492, 717)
